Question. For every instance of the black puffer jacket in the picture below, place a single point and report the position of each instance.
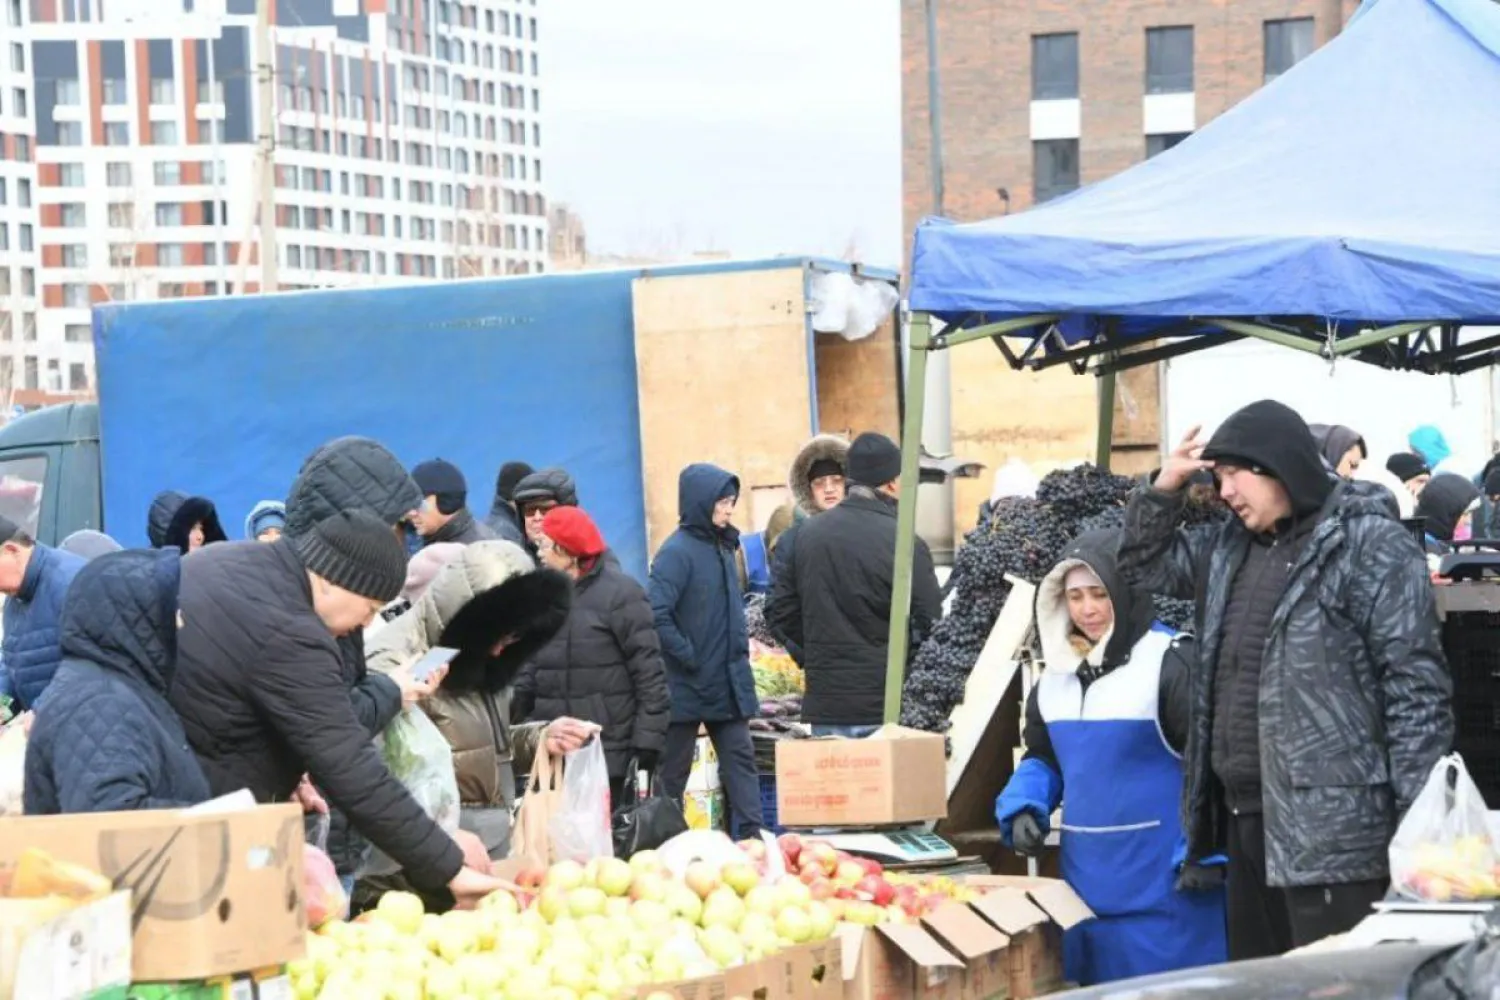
(605, 666)
(842, 570)
(172, 517)
(105, 739)
(261, 694)
(1353, 693)
(354, 474)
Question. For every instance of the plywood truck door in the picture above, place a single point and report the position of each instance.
(723, 375)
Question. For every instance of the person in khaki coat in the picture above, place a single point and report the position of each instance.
(498, 609)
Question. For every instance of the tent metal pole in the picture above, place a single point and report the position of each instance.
(1104, 443)
(1269, 334)
(1371, 338)
(919, 346)
(989, 330)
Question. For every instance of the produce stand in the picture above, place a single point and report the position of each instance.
(1279, 221)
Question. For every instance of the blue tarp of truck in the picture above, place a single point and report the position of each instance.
(226, 397)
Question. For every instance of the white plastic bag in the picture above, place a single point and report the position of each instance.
(12, 769)
(1444, 849)
(422, 761)
(580, 828)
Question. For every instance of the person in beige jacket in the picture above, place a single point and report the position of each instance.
(492, 604)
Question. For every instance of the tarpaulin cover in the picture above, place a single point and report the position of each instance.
(226, 397)
(1363, 184)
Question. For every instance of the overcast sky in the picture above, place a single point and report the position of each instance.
(759, 128)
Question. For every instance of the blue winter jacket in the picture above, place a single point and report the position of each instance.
(106, 739)
(29, 649)
(699, 611)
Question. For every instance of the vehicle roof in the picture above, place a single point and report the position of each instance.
(60, 424)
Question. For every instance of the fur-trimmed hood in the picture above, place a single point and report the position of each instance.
(1134, 613)
(821, 447)
(490, 590)
(173, 515)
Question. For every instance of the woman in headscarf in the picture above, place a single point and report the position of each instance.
(1343, 449)
(1106, 726)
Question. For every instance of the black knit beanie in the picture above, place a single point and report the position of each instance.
(824, 467)
(511, 474)
(442, 479)
(1405, 466)
(874, 460)
(356, 552)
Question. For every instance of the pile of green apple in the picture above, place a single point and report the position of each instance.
(589, 932)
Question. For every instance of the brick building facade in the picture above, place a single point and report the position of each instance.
(1028, 83)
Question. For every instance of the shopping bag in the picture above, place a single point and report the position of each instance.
(1444, 850)
(531, 838)
(580, 827)
(322, 893)
(421, 759)
(12, 769)
(644, 823)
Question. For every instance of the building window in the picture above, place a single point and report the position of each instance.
(33, 379)
(18, 103)
(17, 57)
(78, 377)
(164, 133)
(116, 134)
(69, 134)
(70, 175)
(118, 175)
(1055, 168)
(1054, 67)
(75, 295)
(115, 91)
(1169, 60)
(169, 254)
(28, 244)
(169, 214)
(78, 333)
(67, 91)
(75, 255)
(72, 215)
(1287, 43)
(163, 90)
(210, 91)
(1161, 143)
(121, 215)
(28, 281)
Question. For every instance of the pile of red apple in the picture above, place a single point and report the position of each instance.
(858, 890)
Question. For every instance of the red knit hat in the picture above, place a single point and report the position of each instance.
(574, 532)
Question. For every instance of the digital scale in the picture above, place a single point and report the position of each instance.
(891, 847)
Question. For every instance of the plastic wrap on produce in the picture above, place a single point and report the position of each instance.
(851, 308)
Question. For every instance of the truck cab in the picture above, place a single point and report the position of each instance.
(49, 471)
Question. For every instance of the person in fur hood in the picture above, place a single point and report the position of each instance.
(1106, 726)
(492, 604)
(181, 522)
(817, 480)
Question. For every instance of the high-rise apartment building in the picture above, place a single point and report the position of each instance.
(1037, 99)
(408, 139)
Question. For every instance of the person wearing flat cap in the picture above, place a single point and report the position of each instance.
(259, 684)
(605, 665)
(836, 608)
(444, 515)
(1321, 700)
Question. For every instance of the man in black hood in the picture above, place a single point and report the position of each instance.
(1322, 699)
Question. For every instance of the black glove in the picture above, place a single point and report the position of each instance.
(646, 760)
(1026, 835)
(1200, 878)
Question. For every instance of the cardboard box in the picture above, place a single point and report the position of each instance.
(706, 810)
(979, 944)
(804, 972)
(898, 962)
(266, 985)
(895, 775)
(704, 775)
(82, 952)
(212, 893)
(1033, 913)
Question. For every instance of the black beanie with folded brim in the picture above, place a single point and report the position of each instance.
(874, 460)
(1271, 439)
(357, 553)
(1405, 466)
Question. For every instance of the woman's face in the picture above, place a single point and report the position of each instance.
(195, 538)
(828, 491)
(1349, 464)
(1091, 610)
(554, 557)
(1416, 484)
(724, 511)
(531, 516)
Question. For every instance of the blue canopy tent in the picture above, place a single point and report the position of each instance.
(1349, 208)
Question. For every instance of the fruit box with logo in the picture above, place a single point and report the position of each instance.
(266, 984)
(706, 810)
(704, 774)
(803, 972)
(212, 892)
(1032, 913)
(844, 782)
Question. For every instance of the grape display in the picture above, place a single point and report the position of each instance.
(1024, 538)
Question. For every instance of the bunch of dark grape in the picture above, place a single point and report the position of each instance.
(755, 620)
(1024, 538)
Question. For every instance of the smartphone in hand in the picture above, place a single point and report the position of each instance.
(435, 658)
